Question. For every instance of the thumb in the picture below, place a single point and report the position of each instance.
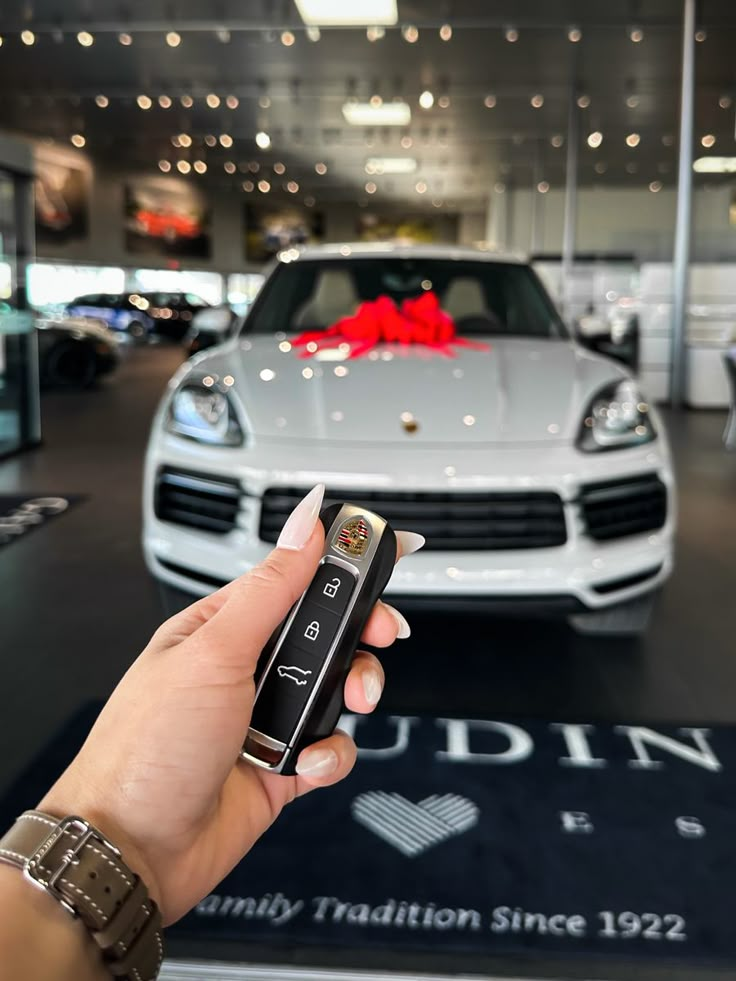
(258, 601)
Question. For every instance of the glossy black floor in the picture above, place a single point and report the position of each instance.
(76, 604)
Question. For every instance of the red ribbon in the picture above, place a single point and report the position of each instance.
(417, 321)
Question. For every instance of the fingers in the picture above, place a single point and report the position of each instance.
(364, 683)
(384, 626)
(325, 762)
(408, 542)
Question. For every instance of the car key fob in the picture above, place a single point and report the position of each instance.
(301, 673)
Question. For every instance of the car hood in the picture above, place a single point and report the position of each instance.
(519, 390)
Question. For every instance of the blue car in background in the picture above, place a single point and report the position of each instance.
(126, 312)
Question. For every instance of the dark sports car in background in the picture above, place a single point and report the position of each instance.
(74, 353)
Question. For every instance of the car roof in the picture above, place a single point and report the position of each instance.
(368, 250)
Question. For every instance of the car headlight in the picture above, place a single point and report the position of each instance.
(617, 417)
(204, 414)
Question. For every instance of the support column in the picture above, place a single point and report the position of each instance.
(496, 223)
(681, 260)
(571, 199)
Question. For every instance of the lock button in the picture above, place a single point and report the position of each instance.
(331, 588)
(313, 629)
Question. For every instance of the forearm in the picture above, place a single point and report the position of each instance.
(39, 940)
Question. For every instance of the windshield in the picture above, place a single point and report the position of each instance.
(483, 298)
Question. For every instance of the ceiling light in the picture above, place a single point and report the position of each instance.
(725, 102)
(543, 187)
(292, 187)
(667, 140)
(511, 34)
(144, 102)
(390, 165)
(254, 166)
(426, 99)
(446, 32)
(389, 114)
(264, 102)
(356, 13)
(370, 188)
(164, 101)
(655, 186)
(213, 101)
(85, 39)
(557, 140)
(184, 139)
(636, 34)
(263, 140)
(229, 167)
(632, 101)
(173, 39)
(499, 187)
(187, 101)
(223, 35)
(537, 101)
(279, 168)
(287, 38)
(164, 165)
(232, 102)
(321, 168)
(248, 186)
(600, 167)
(210, 140)
(264, 187)
(226, 140)
(490, 101)
(633, 139)
(708, 140)
(375, 33)
(421, 187)
(28, 38)
(444, 101)
(102, 101)
(183, 166)
(200, 166)
(631, 168)
(715, 165)
(125, 39)
(574, 34)
(595, 139)
(407, 142)
(77, 140)
(701, 35)
(1, 40)
(313, 33)
(583, 101)
(310, 200)
(376, 101)
(410, 33)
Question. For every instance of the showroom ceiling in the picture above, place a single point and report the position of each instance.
(197, 74)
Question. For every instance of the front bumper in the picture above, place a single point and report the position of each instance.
(581, 574)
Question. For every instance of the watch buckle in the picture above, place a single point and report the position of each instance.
(48, 880)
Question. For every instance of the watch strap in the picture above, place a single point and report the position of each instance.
(82, 870)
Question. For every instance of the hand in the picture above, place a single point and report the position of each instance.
(158, 773)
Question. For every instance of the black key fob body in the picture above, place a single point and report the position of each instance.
(301, 673)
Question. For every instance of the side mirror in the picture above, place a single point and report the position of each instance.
(591, 326)
(215, 320)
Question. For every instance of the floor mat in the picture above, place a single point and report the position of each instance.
(22, 513)
(487, 837)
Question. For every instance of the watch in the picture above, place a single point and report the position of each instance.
(76, 864)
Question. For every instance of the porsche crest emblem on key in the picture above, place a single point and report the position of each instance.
(353, 537)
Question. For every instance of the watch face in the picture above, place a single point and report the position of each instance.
(353, 537)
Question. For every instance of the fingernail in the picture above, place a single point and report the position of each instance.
(300, 524)
(409, 541)
(372, 686)
(404, 628)
(316, 763)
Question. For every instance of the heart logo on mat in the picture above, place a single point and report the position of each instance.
(414, 828)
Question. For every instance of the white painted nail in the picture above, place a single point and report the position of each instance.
(404, 628)
(372, 686)
(409, 541)
(300, 524)
(316, 763)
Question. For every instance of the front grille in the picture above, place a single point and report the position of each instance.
(463, 521)
(617, 508)
(199, 501)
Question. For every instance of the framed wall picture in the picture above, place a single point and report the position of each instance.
(268, 230)
(61, 194)
(168, 218)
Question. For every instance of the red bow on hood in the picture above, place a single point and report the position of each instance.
(417, 321)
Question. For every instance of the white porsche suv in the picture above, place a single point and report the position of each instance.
(536, 470)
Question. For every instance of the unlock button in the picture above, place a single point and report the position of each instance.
(331, 588)
(313, 629)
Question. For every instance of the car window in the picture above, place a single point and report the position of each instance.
(490, 298)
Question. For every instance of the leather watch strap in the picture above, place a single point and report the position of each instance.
(74, 862)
